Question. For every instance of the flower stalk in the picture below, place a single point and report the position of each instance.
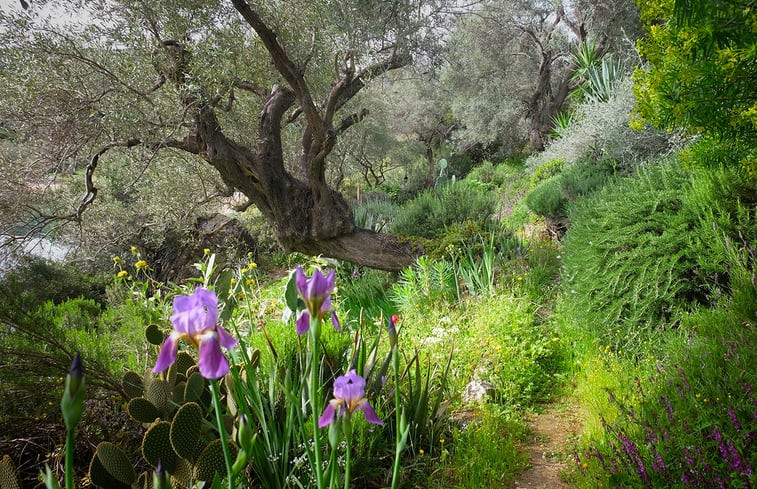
(222, 431)
(72, 406)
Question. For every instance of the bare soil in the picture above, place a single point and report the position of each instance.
(548, 448)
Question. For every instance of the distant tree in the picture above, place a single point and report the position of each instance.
(261, 92)
(511, 68)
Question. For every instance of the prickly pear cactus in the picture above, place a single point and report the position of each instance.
(211, 461)
(8, 474)
(185, 431)
(100, 476)
(156, 446)
(154, 335)
(115, 461)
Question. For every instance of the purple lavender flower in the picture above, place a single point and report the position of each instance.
(734, 419)
(316, 292)
(682, 374)
(349, 396)
(668, 408)
(658, 464)
(194, 318)
(634, 457)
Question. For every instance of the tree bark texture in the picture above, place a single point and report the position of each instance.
(306, 214)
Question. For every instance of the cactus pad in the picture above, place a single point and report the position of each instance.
(194, 388)
(157, 394)
(8, 474)
(185, 430)
(211, 461)
(156, 445)
(142, 410)
(101, 478)
(116, 462)
(183, 362)
(177, 395)
(154, 335)
(132, 384)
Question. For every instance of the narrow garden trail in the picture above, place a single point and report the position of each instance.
(547, 447)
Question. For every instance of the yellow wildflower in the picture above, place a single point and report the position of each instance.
(123, 274)
(140, 265)
(249, 282)
(133, 250)
(421, 452)
(253, 265)
(117, 260)
(206, 251)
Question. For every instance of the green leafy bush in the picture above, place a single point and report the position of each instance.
(644, 250)
(687, 421)
(430, 212)
(550, 197)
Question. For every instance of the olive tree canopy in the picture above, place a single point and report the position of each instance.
(235, 84)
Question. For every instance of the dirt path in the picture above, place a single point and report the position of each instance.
(547, 448)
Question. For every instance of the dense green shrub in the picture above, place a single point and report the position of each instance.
(34, 281)
(546, 198)
(550, 197)
(644, 250)
(430, 212)
(495, 176)
(689, 420)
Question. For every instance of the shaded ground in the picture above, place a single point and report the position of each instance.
(547, 448)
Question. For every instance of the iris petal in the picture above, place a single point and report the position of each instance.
(227, 341)
(370, 414)
(167, 355)
(335, 322)
(303, 322)
(328, 416)
(212, 363)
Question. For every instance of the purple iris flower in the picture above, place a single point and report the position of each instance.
(349, 395)
(316, 292)
(194, 318)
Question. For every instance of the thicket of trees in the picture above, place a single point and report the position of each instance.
(140, 116)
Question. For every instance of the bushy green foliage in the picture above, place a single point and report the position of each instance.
(648, 248)
(493, 437)
(600, 131)
(549, 168)
(550, 197)
(702, 67)
(495, 176)
(430, 212)
(364, 292)
(425, 284)
(546, 198)
(687, 419)
(34, 281)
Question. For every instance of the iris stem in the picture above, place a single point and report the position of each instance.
(315, 402)
(221, 430)
(69, 459)
(397, 417)
(347, 460)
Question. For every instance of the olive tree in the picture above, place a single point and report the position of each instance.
(512, 68)
(261, 92)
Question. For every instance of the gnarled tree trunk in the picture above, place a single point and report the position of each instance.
(306, 214)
